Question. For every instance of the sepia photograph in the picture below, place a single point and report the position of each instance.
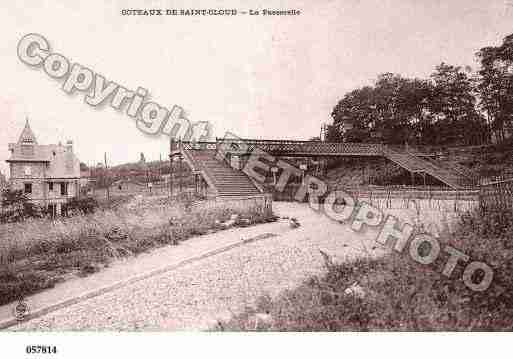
(276, 174)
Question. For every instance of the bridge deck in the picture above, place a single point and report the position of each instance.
(291, 148)
(294, 148)
(410, 160)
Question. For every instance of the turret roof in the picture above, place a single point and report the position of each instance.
(27, 135)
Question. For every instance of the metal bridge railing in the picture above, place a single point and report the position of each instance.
(285, 147)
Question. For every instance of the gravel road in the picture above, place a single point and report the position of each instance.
(193, 297)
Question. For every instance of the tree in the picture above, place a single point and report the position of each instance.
(16, 206)
(440, 110)
(496, 85)
(80, 206)
(393, 108)
(452, 107)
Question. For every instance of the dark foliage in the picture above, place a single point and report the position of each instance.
(84, 205)
(395, 293)
(16, 207)
(453, 107)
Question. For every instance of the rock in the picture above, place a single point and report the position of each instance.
(229, 223)
(356, 290)
(263, 318)
(294, 223)
(244, 222)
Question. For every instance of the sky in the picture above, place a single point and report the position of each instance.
(256, 76)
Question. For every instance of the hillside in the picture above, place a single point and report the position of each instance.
(485, 162)
(137, 171)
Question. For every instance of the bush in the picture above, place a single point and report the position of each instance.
(37, 253)
(16, 207)
(85, 205)
(400, 294)
(488, 224)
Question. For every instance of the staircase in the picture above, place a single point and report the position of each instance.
(226, 181)
(415, 164)
(405, 160)
(465, 176)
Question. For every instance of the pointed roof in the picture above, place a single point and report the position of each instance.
(27, 136)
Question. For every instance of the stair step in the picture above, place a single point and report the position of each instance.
(228, 181)
(416, 164)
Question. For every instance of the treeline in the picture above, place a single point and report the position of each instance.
(454, 106)
(142, 172)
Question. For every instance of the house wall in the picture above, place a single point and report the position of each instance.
(35, 176)
(38, 177)
(63, 162)
(42, 165)
(38, 188)
(37, 170)
(41, 188)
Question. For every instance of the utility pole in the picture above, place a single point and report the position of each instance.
(324, 132)
(159, 180)
(107, 176)
(171, 167)
(92, 179)
(147, 174)
(160, 167)
(180, 169)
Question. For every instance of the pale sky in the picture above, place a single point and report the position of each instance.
(259, 77)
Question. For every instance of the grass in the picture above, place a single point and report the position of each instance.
(37, 254)
(399, 294)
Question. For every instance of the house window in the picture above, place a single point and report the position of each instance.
(28, 188)
(50, 186)
(64, 189)
(28, 171)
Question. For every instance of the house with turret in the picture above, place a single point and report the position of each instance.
(48, 174)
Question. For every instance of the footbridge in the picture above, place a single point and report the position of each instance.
(413, 161)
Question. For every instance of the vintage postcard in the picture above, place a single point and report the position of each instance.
(229, 168)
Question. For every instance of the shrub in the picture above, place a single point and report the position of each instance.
(400, 294)
(17, 207)
(487, 224)
(85, 205)
(36, 253)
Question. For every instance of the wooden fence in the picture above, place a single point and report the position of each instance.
(399, 197)
(496, 196)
